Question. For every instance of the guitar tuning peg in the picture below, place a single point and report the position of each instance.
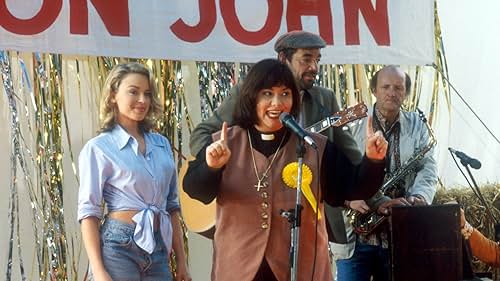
(345, 128)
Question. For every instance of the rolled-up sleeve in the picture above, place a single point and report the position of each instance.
(173, 195)
(173, 190)
(92, 168)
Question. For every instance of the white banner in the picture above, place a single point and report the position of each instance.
(361, 31)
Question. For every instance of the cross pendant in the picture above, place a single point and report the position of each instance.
(260, 184)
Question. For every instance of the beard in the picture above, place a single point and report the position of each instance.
(306, 84)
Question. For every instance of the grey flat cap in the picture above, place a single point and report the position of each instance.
(298, 39)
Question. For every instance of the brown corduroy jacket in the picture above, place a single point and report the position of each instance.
(249, 225)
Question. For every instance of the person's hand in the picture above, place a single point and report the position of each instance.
(462, 218)
(359, 205)
(416, 200)
(218, 153)
(386, 207)
(376, 144)
(182, 272)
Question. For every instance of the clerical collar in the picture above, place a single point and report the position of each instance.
(260, 136)
(267, 136)
(267, 147)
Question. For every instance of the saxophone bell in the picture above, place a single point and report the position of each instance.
(365, 223)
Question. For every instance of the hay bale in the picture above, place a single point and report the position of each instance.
(475, 211)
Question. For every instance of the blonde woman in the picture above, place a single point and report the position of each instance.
(131, 170)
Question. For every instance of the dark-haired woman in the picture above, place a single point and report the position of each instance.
(249, 168)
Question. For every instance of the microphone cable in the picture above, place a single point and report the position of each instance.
(465, 102)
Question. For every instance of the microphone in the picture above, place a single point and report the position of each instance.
(465, 159)
(288, 121)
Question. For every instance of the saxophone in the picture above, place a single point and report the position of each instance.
(367, 223)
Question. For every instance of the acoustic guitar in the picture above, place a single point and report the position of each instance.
(200, 217)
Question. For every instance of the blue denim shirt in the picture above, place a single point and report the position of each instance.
(420, 181)
(112, 169)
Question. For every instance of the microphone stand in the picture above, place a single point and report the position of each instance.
(294, 215)
(476, 190)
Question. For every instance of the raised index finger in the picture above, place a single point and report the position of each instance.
(369, 127)
(223, 134)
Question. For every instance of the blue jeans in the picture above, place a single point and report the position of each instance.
(125, 261)
(366, 261)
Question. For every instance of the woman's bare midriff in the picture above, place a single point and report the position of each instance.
(126, 217)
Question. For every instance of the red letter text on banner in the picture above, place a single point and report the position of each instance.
(319, 8)
(40, 22)
(196, 33)
(114, 14)
(266, 33)
(376, 20)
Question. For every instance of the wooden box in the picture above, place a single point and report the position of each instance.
(426, 243)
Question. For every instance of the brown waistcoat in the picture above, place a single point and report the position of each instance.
(249, 226)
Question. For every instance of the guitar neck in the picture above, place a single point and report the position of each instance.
(340, 118)
(322, 125)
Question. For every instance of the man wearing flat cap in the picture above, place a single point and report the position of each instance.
(301, 51)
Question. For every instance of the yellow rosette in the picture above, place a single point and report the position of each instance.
(290, 174)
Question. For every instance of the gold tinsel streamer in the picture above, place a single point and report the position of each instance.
(48, 130)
